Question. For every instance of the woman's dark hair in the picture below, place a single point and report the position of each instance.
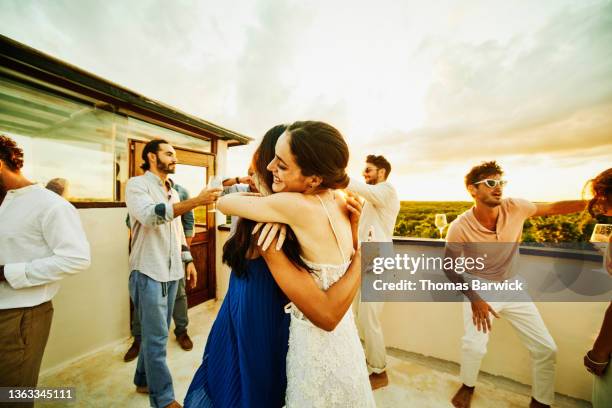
(237, 246)
(150, 147)
(319, 149)
(601, 189)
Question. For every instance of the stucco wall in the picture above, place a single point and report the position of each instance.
(92, 308)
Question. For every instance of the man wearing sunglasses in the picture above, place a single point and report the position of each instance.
(494, 219)
(376, 224)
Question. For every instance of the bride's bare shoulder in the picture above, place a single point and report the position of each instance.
(295, 203)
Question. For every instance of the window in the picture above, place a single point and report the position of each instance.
(63, 137)
(81, 141)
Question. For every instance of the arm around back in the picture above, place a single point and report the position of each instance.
(325, 309)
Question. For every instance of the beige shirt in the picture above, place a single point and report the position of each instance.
(468, 235)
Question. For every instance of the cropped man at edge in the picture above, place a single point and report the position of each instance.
(41, 242)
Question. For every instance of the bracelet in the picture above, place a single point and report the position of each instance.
(237, 180)
(595, 362)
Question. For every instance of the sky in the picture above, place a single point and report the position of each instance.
(436, 87)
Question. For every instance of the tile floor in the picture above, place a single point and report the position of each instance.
(104, 380)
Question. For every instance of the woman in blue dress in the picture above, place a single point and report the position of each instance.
(245, 355)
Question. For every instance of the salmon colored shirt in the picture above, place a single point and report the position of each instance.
(468, 235)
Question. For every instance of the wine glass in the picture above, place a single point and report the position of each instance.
(441, 223)
(601, 236)
(601, 233)
(215, 182)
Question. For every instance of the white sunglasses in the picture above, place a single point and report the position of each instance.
(492, 183)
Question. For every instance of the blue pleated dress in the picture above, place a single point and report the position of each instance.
(245, 354)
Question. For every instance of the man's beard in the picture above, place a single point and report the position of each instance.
(492, 203)
(165, 168)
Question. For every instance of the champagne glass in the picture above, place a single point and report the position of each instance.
(441, 223)
(601, 236)
(215, 182)
(601, 233)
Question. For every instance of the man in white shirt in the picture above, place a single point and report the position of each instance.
(41, 241)
(158, 251)
(377, 224)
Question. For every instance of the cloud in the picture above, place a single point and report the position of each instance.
(428, 86)
(544, 92)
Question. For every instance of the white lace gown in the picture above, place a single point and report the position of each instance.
(326, 369)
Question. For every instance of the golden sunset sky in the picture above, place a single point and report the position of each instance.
(436, 88)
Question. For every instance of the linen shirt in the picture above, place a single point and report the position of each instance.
(41, 242)
(157, 235)
(468, 235)
(379, 211)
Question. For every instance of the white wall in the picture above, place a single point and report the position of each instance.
(223, 271)
(435, 329)
(92, 308)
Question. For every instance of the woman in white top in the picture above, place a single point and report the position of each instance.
(324, 368)
(597, 360)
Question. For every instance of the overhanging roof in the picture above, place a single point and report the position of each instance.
(28, 61)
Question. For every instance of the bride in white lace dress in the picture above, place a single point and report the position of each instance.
(325, 368)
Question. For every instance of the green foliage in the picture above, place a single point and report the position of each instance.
(416, 219)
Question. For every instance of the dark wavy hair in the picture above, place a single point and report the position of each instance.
(380, 162)
(601, 189)
(10, 153)
(150, 147)
(320, 150)
(482, 171)
(238, 245)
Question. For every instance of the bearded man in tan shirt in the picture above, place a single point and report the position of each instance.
(496, 223)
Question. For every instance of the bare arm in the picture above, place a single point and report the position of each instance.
(480, 308)
(150, 213)
(597, 360)
(228, 182)
(602, 347)
(559, 207)
(324, 309)
(206, 197)
(451, 252)
(280, 207)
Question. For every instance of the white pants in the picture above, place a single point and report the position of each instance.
(368, 323)
(526, 320)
